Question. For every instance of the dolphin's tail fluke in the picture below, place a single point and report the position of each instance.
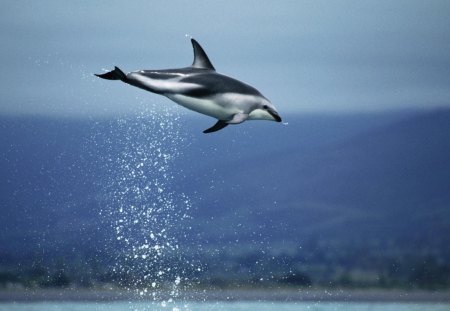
(116, 74)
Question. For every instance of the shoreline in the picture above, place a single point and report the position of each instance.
(210, 295)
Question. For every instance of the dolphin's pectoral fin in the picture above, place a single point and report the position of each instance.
(218, 126)
(238, 118)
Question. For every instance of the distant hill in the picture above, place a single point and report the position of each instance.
(385, 183)
(352, 182)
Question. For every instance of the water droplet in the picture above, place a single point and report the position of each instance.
(177, 280)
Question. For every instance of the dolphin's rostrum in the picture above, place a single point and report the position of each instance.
(200, 88)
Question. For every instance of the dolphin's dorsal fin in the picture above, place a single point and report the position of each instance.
(201, 60)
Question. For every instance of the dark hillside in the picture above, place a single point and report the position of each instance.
(333, 191)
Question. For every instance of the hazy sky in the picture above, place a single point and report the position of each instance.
(306, 56)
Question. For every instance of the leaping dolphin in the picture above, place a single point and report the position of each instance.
(200, 88)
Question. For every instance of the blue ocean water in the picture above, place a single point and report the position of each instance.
(224, 306)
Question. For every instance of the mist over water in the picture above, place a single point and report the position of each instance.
(146, 213)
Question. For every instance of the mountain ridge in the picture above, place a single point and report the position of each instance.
(343, 173)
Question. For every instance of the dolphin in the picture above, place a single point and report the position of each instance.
(200, 88)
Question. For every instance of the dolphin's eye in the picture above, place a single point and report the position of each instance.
(265, 107)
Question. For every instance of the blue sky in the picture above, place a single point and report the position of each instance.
(306, 56)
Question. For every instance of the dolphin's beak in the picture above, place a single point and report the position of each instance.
(274, 114)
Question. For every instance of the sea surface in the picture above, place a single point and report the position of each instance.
(225, 306)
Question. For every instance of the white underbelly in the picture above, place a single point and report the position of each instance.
(205, 106)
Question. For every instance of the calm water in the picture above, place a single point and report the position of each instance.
(225, 306)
